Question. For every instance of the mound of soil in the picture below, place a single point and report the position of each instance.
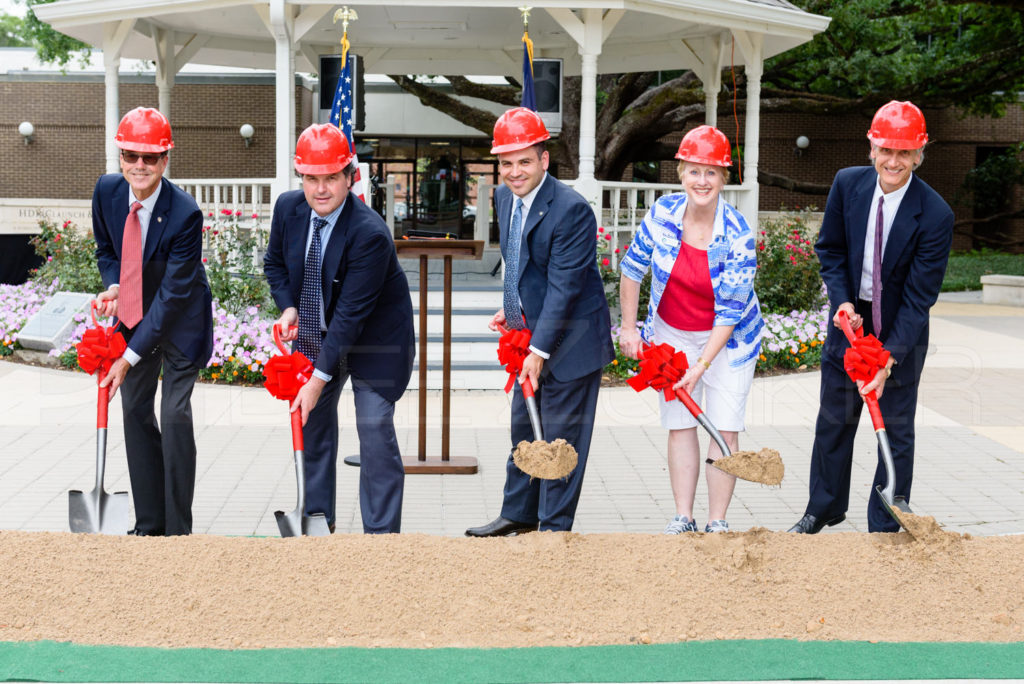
(764, 466)
(538, 589)
(545, 460)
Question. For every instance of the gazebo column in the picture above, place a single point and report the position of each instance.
(752, 45)
(115, 34)
(165, 71)
(710, 75)
(282, 26)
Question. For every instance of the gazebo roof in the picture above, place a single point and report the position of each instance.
(441, 36)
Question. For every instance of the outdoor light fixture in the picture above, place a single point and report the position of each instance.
(802, 143)
(247, 131)
(27, 130)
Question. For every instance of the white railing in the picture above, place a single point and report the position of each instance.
(624, 205)
(246, 200)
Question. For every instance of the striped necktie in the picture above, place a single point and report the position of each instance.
(311, 297)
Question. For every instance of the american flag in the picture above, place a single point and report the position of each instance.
(343, 116)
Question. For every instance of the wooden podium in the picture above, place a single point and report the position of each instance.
(449, 250)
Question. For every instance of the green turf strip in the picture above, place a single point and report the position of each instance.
(709, 660)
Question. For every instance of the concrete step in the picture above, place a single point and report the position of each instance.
(478, 379)
(462, 299)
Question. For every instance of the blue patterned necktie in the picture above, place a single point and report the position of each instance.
(876, 272)
(513, 317)
(311, 297)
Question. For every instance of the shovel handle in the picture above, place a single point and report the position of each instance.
(277, 337)
(102, 402)
(297, 444)
(871, 399)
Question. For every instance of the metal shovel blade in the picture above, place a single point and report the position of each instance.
(887, 495)
(296, 523)
(97, 512)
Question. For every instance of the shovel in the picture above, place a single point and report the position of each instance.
(97, 512)
(297, 523)
(887, 494)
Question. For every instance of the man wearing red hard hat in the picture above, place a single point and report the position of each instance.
(553, 288)
(883, 247)
(149, 243)
(333, 271)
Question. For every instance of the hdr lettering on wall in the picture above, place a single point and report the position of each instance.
(22, 216)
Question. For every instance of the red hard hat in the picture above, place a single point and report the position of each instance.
(322, 149)
(898, 126)
(518, 129)
(705, 145)
(144, 130)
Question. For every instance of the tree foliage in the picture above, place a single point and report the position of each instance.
(51, 46)
(12, 29)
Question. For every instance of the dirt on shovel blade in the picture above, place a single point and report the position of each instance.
(545, 460)
(764, 466)
(925, 529)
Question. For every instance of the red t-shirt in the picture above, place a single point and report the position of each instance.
(688, 302)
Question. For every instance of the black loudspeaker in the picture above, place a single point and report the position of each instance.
(330, 68)
(547, 86)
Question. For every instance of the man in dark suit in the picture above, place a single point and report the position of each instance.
(552, 287)
(333, 270)
(149, 248)
(883, 246)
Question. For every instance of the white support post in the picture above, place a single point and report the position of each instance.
(752, 45)
(114, 36)
(589, 49)
(711, 77)
(165, 71)
(282, 27)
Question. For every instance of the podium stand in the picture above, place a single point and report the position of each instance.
(449, 250)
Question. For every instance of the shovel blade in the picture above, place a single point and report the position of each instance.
(899, 503)
(97, 512)
(295, 524)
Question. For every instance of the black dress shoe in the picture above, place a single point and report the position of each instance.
(136, 532)
(500, 527)
(810, 524)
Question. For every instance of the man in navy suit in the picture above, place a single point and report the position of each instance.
(553, 288)
(149, 245)
(333, 271)
(883, 246)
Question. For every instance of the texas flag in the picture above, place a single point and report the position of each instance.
(343, 116)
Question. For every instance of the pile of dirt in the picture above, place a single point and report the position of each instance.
(764, 466)
(539, 589)
(545, 460)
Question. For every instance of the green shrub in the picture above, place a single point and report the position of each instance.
(966, 268)
(233, 262)
(788, 277)
(70, 257)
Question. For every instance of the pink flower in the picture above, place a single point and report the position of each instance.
(608, 238)
(210, 215)
(606, 262)
(238, 213)
(204, 260)
(600, 229)
(226, 212)
(255, 215)
(616, 250)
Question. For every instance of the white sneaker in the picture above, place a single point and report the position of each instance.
(680, 524)
(716, 526)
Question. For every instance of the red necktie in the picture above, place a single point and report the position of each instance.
(129, 307)
(876, 273)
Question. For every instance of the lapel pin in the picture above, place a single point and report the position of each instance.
(159, 219)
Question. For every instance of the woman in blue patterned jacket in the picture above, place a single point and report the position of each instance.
(702, 255)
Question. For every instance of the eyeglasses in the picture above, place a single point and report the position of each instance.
(147, 159)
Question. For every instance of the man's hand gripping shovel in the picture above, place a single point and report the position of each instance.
(284, 376)
(544, 460)
(862, 361)
(661, 367)
(97, 511)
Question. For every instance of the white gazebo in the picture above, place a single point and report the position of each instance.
(466, 37)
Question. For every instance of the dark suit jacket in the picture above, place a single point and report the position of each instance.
(559, 282)
(176, 300)
(913, 264)
(367, 305)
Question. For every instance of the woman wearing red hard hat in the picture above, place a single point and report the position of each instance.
(702, 256)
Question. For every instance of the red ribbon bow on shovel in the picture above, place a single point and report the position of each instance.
(864, 358)
(99, 348)
(513, 348)
(660, 367)
(284, 375)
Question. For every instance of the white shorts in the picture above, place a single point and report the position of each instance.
(722, 391)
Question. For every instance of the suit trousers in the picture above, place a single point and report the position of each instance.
(381, 471)
(834, 433)
(161, 459)
(566, 411)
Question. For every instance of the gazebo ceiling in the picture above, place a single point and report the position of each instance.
(442, 36)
